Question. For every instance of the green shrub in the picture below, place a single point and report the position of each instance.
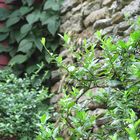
(116, 73)
(19, 105)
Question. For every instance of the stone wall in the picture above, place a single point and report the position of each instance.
(83, 17)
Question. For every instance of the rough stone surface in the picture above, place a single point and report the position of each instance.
(68, 4)
(107, 2)
(102, 23)
(107, 30)
(117, 17)
(56, 98)
(84, 17)
(95, 15)
(132, 8)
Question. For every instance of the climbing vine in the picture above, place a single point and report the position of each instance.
(25, 23)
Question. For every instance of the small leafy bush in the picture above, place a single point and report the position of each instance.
(19, 105)
(116, 74)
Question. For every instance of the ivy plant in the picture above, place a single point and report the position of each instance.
(25, 25)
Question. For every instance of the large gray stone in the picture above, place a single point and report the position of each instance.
(132, 8)
(117, 17)
(68, 5)
(95, 15)
(107, 30)
(123, 25)
(74, 24)
(107, 2)
(102, 23)
(90, 7)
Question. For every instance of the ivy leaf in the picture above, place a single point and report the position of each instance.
(33, 17)
(53, 24)
(11, 21)
(4, 13)
(3, 36)
(25, 46)
(18, 59)
(4, 29)
(52, 4)
(24, 10)
(53, 27)
(25, 28)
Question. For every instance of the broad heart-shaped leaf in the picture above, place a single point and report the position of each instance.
(52, 27)
(53, 24)
(11, 21)
(4, 13)
(25, 46)
(3, 36)
(18, 59)
(52, 4)
(33, 17)
(25, 28)
(44, 16)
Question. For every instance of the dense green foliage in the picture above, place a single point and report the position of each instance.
(20, 101)
(116, 74)
(31, 30)
(25, 24)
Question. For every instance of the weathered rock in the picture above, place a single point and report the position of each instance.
(93, 106)
(65, 27)
(68, 5)
(73, 25)
(107, 30)
(102, 121)
(132, 8)
(55, 88)
(66, 17)
(122, 26)
(102, 23)
(76, 9)
(65, 53)
(96, 15)
(56, 98)
(55, 75)
(116, 6)
(90, 7)
(128, 31)
(98, 112)
(107, 2)
(76, 20)
(116, 18)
